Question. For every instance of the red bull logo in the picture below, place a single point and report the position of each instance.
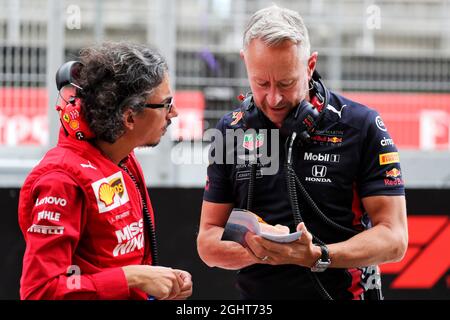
(335, 140)
(327, 139)
(394, 173)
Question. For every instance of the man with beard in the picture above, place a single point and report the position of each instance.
(84, 210)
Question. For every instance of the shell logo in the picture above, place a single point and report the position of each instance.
(110, 192)
(74, 124)
(106, 194)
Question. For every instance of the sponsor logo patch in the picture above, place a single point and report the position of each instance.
(329, 137)
(380, 124)
(106, 194)
(49, 215)
(74, 114)
(386, 142)
(321, 157)
(388, 158)
(88, 165)
(393, 182)
(245, 175)
(110, 192)
(237, 116)
(51, 200)
(333, 109)
(74, 124)
(117, 185)
(129, 238)
(36, 228)
(318, 175)
(324, 139)
(394, 173)
(335, 140)
(249, 144)
(120, 216)
(319, 171)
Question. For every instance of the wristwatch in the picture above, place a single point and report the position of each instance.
(323, 262)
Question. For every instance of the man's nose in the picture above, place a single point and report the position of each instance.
(173, 112)
(274, 97)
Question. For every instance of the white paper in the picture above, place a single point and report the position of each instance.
(241, 221)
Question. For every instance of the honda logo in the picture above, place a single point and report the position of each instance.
(319, 171)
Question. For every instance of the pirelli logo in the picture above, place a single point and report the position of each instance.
(387, 158)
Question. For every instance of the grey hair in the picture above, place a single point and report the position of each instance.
(273, 25)
(117, 76)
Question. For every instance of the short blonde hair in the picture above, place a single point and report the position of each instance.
(273, 25)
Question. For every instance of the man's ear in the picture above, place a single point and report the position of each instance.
(312, 61)
(129, 119)
(241, 54)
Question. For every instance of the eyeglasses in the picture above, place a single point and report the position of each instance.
(167, 105)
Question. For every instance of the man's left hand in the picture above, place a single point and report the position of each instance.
(186, 286)
(301, 252)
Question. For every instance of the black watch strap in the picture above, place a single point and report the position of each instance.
(323, 262)
(325, 254)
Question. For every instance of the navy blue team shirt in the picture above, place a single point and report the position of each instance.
(351, 156)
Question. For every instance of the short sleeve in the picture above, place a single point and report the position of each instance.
(218, 186)
(379, 172)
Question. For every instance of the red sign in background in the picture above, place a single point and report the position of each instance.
(427, 259)
(24, 120)
(414, 120)
(23, 116)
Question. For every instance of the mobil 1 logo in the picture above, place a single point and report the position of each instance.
(322, 157)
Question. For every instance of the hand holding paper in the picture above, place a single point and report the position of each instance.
(242, 221)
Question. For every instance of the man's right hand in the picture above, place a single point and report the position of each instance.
(160, 282)
(277, 229)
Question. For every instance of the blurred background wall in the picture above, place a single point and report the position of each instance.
(391, 55)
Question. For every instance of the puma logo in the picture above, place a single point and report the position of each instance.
(333, 109)
(88, 165)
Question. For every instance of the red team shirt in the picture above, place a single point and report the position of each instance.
(82, 214)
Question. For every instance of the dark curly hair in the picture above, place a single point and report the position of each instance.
(117, 76)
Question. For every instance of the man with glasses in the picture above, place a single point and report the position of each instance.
(84, 210)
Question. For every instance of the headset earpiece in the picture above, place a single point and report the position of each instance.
(69, 105)
(302, 120)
